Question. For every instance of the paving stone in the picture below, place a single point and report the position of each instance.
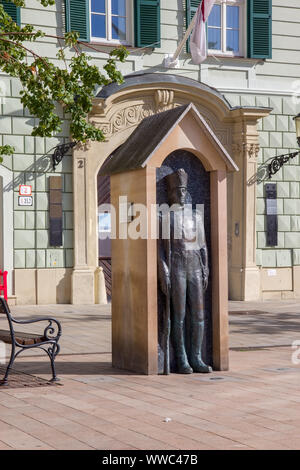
(255, 406)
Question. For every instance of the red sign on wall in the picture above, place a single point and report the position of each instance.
(25, 190)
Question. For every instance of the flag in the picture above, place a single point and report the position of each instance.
(198, 38)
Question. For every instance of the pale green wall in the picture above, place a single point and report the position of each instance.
(245, 82)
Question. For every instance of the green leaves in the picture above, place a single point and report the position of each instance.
(71, 84)
(6, 150)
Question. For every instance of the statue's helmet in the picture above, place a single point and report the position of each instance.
(178, 179)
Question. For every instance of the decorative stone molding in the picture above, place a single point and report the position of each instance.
(124, 118)
(164, 100)
(251, 149)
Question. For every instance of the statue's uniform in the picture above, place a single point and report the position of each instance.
(188, 271)
(187, 265)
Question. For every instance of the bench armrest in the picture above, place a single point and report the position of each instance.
(51, 332)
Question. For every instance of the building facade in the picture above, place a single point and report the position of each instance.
(248, 91)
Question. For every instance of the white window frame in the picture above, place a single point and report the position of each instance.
(242, 31)
(129, 25)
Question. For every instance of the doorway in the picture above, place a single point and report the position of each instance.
(104, 231)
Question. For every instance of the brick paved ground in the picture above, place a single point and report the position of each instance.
(256, 405)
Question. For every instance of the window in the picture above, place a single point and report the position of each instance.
(225, 28)
(110, 21)
(12, 10)
(115, 21)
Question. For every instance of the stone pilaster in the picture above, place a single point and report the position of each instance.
(244, 274)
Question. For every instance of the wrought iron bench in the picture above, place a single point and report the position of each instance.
(47, 341)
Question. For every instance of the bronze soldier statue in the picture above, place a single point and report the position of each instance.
(183, 275)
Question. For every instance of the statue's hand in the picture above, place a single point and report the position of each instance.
(205, 278)
(165, 285)
(164, 277)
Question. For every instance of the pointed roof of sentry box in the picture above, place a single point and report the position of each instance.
(150, 134)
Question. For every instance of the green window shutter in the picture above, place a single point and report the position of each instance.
(190, 8)
(260, 29)
(12, 10)
(147, 23)
(78, 18)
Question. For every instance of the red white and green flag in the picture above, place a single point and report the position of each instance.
(198, 45)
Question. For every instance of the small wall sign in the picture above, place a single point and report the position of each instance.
(25, 190)
(25, 201)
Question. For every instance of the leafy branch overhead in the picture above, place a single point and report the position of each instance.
(71, 83)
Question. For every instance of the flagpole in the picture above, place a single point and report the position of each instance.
(171, 60)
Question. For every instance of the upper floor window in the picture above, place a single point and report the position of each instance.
(110, 20)
(226, 28)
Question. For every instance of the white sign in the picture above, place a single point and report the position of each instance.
(272, 272)
(25, 190)
(25, 201)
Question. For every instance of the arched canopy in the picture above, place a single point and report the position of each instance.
(160, 134)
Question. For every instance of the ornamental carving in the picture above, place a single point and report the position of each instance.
(125, 118)
(251, 149)
(164, 100)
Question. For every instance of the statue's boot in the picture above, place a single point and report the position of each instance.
(196, 361)
(183, 366)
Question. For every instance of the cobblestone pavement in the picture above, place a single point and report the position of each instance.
(256, 405)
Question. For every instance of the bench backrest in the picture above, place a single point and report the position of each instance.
(4, 309)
